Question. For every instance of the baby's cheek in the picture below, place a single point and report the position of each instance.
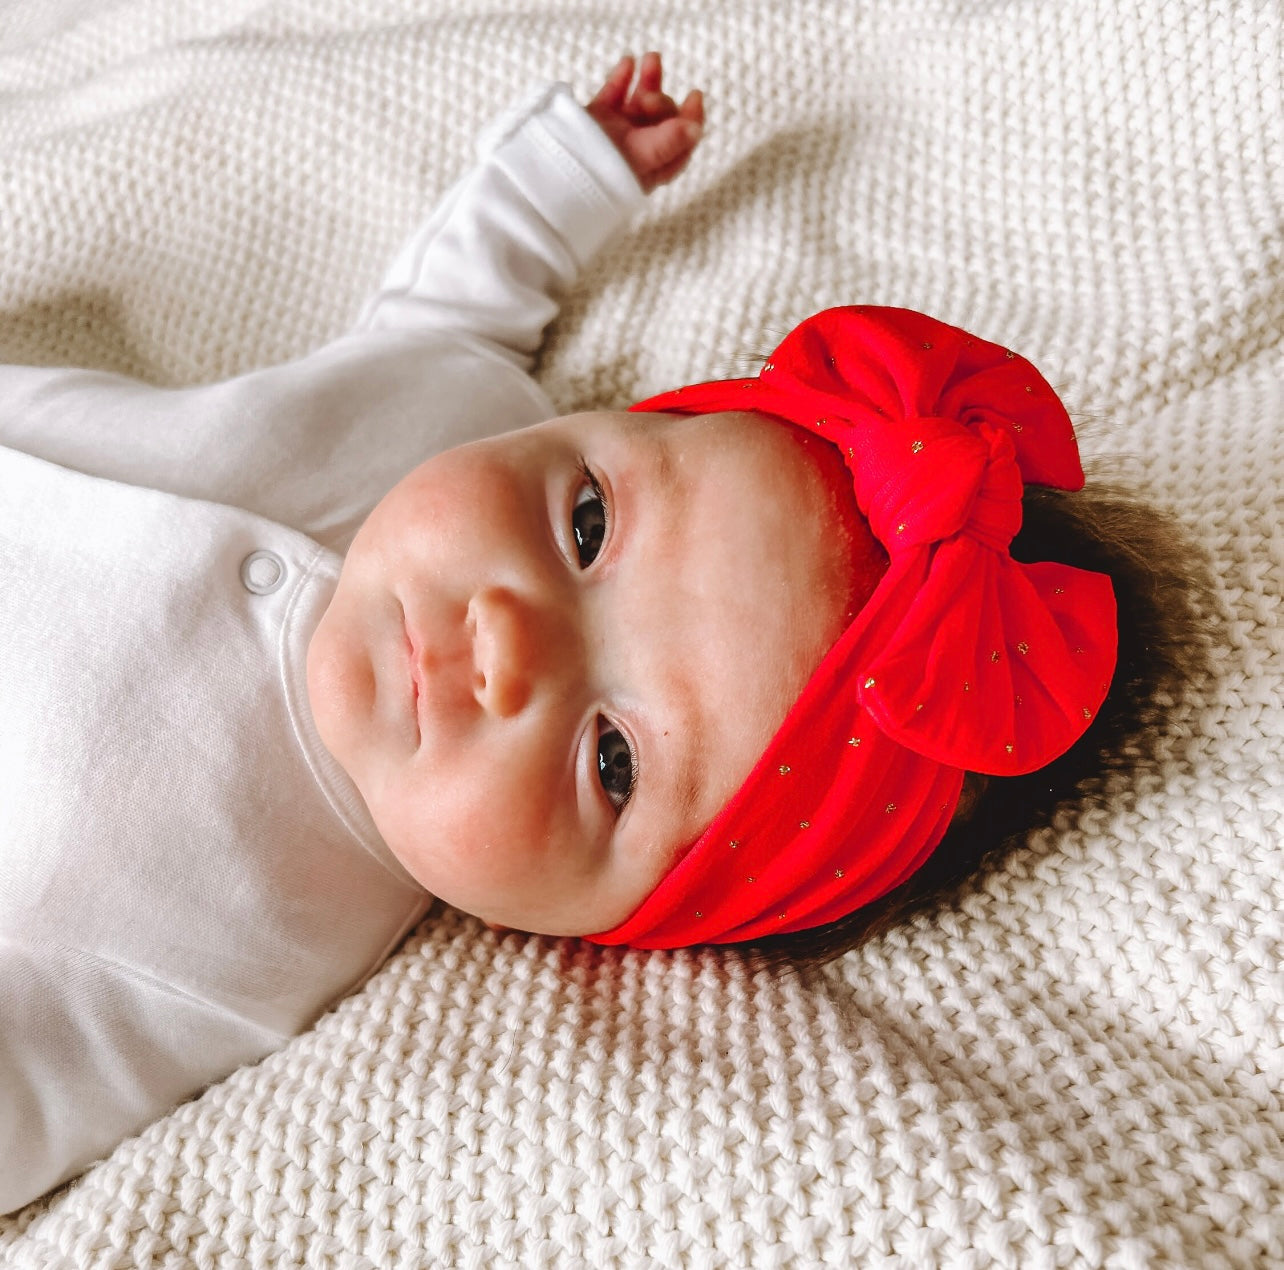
(456, 838)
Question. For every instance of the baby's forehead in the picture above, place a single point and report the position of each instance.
(755, 515)
(748, 436)
(801, 476)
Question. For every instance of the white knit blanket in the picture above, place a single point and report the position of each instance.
(1081, 1063)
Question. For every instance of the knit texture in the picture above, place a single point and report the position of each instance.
(1078, 1064)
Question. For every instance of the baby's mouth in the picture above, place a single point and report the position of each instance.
(440, 683)
(413, 661)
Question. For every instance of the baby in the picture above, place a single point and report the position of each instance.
(734, 666)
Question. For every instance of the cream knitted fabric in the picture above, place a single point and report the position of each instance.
(1082, 1064)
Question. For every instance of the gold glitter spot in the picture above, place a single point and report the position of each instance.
(1059, 590)
(1023, 648)
(1018, 700)
(1008, 748)
(1078, 650)
(916, 447)
(784, 769)
(838, 873)
(769, 366)
(994, 656)
(927, 343)
(967, 687)
(851, 454)
(780, 917)
(900, 529)
(1029, 388)
(734, 844)
(853, 740)
(1009, 354)
(804, 824)
(751, 879)
(833, 361)
(869, 683)
(699, 913)
(918, 707)
(1016, 427)
(891, 807)
(1087, 714)
(820, 423)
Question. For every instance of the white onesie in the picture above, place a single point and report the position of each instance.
(187, 878)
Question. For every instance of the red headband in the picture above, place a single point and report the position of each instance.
(961, 660)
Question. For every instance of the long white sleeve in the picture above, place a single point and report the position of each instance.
(514, 231)
(439, 356)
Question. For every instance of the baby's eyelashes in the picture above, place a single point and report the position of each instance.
(589, 518)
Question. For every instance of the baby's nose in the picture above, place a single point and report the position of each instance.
(511, 649)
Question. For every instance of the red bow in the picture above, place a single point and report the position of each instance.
(963, 659)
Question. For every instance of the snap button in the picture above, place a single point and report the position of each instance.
(262, 572)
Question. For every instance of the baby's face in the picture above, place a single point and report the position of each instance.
(553, 656)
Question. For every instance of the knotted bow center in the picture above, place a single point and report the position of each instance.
(926, 479)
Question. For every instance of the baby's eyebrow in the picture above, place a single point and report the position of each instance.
(664, 471)
(686, 750)
(689, 772)
(688, 783)
(651, 455)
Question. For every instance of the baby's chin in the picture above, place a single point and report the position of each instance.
(340, 690)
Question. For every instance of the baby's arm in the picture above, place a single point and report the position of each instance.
(92, 1050)
(517, 230)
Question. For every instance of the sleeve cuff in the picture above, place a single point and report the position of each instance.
(594, 192)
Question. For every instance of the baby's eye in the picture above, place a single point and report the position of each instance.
(616, 766)
(588, 518)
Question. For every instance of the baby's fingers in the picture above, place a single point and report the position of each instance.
(668, 172)
(616, 86)
(650, 107)
(662, 150)
(650, 73)
(649, 102)
(692, 107)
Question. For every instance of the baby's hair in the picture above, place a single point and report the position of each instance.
(1165, 607)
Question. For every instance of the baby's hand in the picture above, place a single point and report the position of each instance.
(655, 135)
